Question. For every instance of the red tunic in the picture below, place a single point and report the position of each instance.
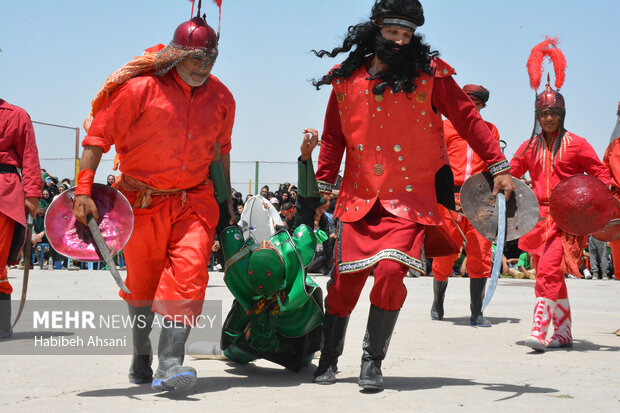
(394, 144)
(463, 160)
(394, 150)
(612, 162)
(575, 156)
(165, 136)
(464, 163)
(18, 148)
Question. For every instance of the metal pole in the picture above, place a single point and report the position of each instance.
(77, 142)
(256, 180)
(250, 187)
(77, 153)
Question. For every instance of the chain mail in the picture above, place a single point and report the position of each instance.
(172, 54)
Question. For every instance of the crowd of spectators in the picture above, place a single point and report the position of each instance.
(596, 263)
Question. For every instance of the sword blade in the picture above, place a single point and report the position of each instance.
(458, 227)
(27, 257)
(104, 250)
(500, 209)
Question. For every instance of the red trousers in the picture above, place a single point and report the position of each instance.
(388, 292)
(549, 275)
(7, 226)
(167, 258)
(478, 249)
(615, 256)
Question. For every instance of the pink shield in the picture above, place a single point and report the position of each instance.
(72, 239)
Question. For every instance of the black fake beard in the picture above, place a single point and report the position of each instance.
(400, 62)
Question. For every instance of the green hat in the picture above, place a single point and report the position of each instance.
(266, 272)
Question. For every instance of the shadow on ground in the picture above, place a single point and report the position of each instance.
(464, 321)
(239, 375)
(430, 383)
(578, 345)
(247, 376)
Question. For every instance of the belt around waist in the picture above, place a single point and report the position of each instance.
(7, 169)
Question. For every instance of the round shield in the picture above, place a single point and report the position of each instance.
(581, 205)
(478, 205)
(610, 232)
(74, 240)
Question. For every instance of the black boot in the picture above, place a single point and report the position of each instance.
(140, 371)
(439, 293)
(334, 330)
(476, 292)
(171, 374)
(5, 316)
(376, 341)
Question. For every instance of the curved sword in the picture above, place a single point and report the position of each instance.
(500, 212)
(104, 250)
(27, 261)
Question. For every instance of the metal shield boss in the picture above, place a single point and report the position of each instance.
(478, 205)
(72, 239)
(582, 205)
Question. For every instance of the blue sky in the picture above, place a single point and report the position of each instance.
(56, 54)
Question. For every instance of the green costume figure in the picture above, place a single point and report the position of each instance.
(277, 313)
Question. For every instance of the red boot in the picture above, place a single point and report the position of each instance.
(562, 336)
(542, 318)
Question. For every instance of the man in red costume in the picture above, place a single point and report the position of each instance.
(169, 121)
(464, 163)
(384, 110)
(612, 161)
(18, 150)
(551, 155)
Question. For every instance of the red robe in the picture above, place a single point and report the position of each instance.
(574, 157)
(165, 136)
(395, 160)
(464, 163)
(395, 151)
(17, 148)
(612, 162)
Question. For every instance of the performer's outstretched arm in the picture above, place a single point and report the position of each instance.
(84, 204)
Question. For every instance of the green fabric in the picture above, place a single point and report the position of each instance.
(523, 260)
(220, 183)
(321, 236)
(306, 182)
(298, 312)
(266, 273)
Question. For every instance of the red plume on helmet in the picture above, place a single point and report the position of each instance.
(549, 98)
(547, 48)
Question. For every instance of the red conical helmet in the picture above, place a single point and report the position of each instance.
(195, 34)
(550, 98)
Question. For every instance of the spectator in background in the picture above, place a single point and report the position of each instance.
(45, 194)
(599, 262)
(39, 238)
(248, 196)
(288, 214)
(239, 210)
(276, 204)
(293, 194)
(62, 188)
(264, 191)
(284, 197)
(237, 200)
(50, 185)
(111, 179)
